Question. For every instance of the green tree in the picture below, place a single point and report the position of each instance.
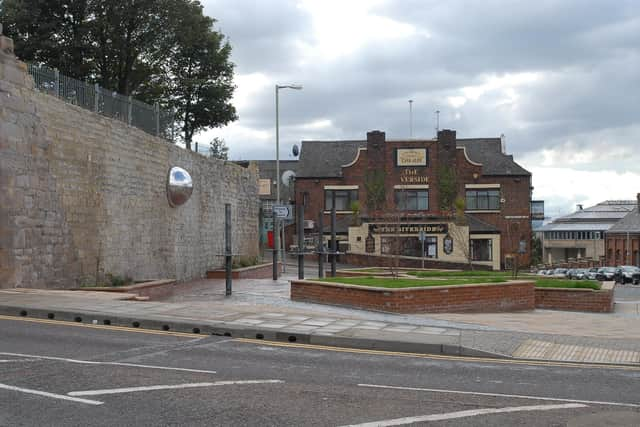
(51, 32)
(447, 186)
(199, 73)
(375, 188)
(163, 51)
(218, 149)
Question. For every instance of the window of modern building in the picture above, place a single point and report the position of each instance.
(344, 198)
(481, 249)
(412, 200)
(482, 200)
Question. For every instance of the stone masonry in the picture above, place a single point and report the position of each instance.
(83, 195)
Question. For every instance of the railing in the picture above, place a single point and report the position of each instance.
(149, 118)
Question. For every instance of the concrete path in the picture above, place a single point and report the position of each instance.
(262, 308)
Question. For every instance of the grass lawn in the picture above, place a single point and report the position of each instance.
(380, 282)
(465, 273)
(562, 283)
(465, 278)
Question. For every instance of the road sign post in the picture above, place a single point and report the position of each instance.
(422, 239)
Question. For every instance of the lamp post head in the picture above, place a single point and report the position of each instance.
(293, 86)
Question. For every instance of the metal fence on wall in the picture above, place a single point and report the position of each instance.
(149, 118)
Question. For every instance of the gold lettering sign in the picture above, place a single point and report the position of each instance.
(410, 176)
(410, 228)
(411, 157)
(264, 187)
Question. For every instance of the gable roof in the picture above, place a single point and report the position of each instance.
(630, 223)
(488, 152)
(324, 159)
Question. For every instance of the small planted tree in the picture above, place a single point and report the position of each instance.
(458, 234)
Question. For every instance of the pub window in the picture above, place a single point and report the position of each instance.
(481, 249)
(483, 200)
(344, 198)
(412, 200)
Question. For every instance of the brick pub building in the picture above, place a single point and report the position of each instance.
(388, 193)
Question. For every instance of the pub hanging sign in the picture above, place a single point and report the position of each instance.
(409, 228)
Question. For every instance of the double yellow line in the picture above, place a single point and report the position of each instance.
(331, 348)
(439, 356)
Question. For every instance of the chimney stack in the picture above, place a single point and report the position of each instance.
(447, 147)
(375, 149)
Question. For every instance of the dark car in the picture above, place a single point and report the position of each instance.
(627, 274)
(606, 274)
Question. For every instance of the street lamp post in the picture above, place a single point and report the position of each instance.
(275, 222)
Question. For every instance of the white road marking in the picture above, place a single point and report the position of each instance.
(168, 387)
(52, 395)
(92, 362)
(16, 360)
(463, 414)
(517, 396)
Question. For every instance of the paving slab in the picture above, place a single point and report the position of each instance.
(263, 307)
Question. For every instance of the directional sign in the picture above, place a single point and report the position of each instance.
(283, 211)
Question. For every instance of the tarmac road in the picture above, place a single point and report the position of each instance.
(52, 373)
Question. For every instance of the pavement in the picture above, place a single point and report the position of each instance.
(261, 308)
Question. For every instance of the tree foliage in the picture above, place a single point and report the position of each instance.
(218, 149)
(447, 187)
(375, 188)
(164, 51)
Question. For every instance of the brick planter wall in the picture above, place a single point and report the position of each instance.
(385, 261)
(155, 289)
(494, 297)
(260, 271)
(576, 299)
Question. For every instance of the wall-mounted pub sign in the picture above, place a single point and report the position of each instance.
(409, 228)
(411, 157)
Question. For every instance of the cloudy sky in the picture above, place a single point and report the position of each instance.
(560, 79)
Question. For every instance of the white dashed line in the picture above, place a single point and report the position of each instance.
(517, 396)
(92, 362)
(51, 395)
(168, 387)
(464, 414)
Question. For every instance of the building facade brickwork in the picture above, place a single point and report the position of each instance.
(389, 168)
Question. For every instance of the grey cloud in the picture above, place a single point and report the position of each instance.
(587, 52)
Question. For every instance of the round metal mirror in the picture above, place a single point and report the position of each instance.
(179, 186)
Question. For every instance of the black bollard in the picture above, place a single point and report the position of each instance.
(227, 247)
(300, 221)
(320, 246)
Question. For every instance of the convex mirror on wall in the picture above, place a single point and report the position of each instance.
(179, 186)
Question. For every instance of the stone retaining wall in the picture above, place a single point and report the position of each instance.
(576, 299)
(494, 297)
(83, 195)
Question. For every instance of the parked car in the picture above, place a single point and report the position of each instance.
(605, 273)
(579, 274)
(627, 274)
(560, 273)
(541, 272)
(569, 273)
(591, 273)
(549, 272)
